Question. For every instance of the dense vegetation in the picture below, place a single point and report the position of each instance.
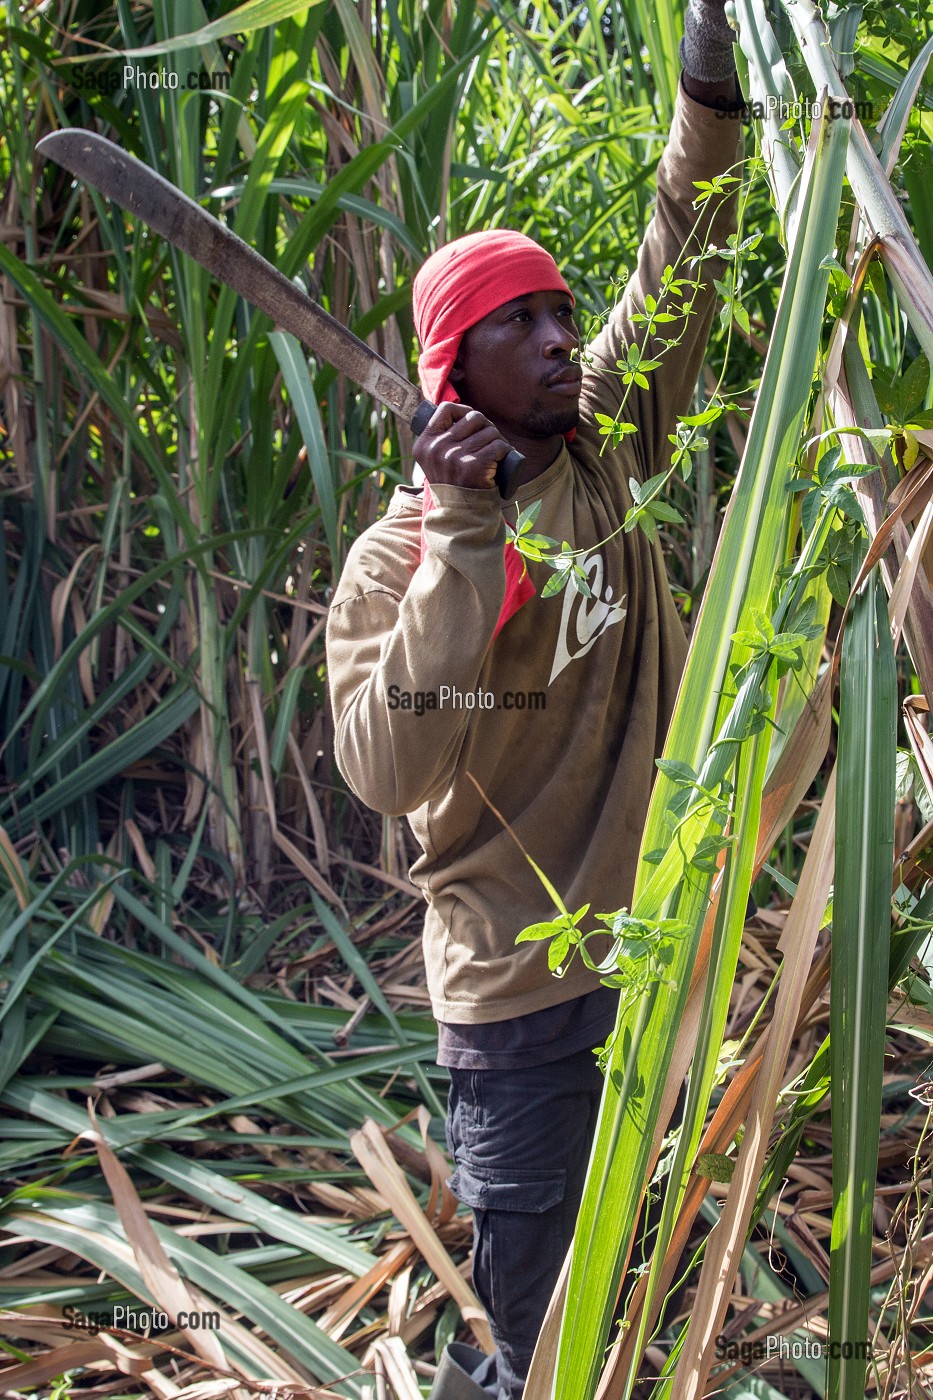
(212, 1014)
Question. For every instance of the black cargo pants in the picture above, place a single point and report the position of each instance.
(521, 1141)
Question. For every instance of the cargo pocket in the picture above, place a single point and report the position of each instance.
(520, 1236)
(509, 1188)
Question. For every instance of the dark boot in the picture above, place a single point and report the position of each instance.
(454, 1377)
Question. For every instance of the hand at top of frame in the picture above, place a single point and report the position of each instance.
(706, 48)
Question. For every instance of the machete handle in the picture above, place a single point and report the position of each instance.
(509, 471)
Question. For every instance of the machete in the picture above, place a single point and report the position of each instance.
(150, 198)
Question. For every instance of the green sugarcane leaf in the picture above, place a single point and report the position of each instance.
(93, 1232)
(254, 14)
(197, 1180)
(293, 363)
(867, 759)
(742, 580)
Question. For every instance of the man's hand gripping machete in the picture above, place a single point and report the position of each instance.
(151, 199)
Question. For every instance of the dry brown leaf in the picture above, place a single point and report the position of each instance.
(13, 869)
(273, 1390)
(315, 815)
(726, 1242)
(29, 1374)
(398, 1368)
(100, 914)
(423, 1315)
(60, 596)
(396, 881)
(159, 1273)
(906, 579)
(380, 1166)
(161, 1386)
(207, 1390)
(146, 863)
(398, 1301)
(439, 1172)
(338, 1318)
(313, 876)
(914, 706)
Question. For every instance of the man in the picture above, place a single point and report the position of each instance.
(457, 687)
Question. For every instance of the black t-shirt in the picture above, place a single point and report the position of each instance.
(536, 1039)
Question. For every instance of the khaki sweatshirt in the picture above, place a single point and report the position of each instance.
(560, 718)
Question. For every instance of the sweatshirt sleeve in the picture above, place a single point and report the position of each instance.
(703, 143)
(397, 656)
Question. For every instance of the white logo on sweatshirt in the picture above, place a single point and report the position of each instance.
(584, 620)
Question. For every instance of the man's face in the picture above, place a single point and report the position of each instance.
(515, 366)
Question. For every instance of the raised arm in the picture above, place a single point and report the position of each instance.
(704, 143)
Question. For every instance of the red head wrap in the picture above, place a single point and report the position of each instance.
(457, 286)
(463, 282)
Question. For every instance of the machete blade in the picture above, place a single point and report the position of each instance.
(156, 202)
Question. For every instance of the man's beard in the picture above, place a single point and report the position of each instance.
(543, 422)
